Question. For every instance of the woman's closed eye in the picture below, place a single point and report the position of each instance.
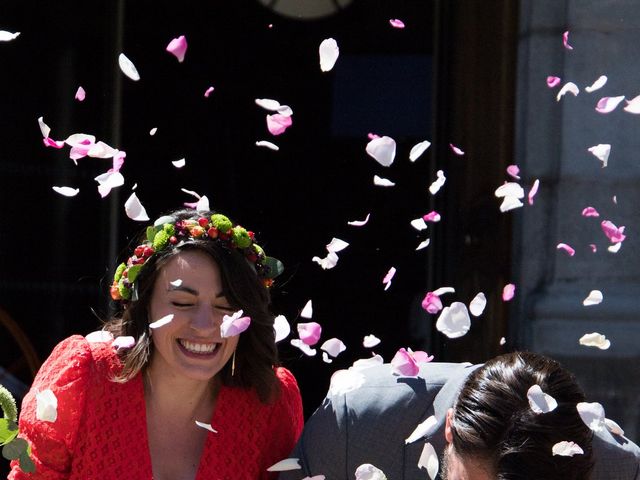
(182, 304)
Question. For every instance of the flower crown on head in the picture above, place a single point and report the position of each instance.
(167, 231)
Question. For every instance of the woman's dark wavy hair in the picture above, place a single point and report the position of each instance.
(256, 353)
(492, 420)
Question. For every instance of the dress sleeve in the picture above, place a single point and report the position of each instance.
(66, 372)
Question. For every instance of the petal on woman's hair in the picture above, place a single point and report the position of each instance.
(359, 223)
(508, 292)
(592, 414)
(594, 298)
(429, 460)
(601, 152)
(306, 349)
(281, 327)
(418, 149)
(46, 406)
(539, 401)
(309, 332)
(135, 210)
(388, 277)
(80, 94)
(477, 305)
(403, 364)
(123, 342)
(233, 325)
(595, 339)
(206, 426)
(162, 321)
(128, 68)
(285, 465)
(567, 248)
(66, 191)
(608, 104)
(438, 183)
(329, 53)
(566, 449)
(370, 341)
(598, 84)
(334, 347)
(266, 144)
(382, 150)
(307, 311)
(568, 87)
(454, 320)
(178, 47)
(179, 163)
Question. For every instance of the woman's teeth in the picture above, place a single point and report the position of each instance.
(198, 347)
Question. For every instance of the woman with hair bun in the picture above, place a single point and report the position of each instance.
(184, 383)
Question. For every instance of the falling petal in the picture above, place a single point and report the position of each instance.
(608, 104)
(404, 365)
(135, 210)
(99, 336)
(563, 246)
(328, 262)
(418, 149)
(285, 465)
(502, 341)
(277, 123)
(592, 414)
(326, 358)
(306, 349)
(595, 340)
(553, 81)
(533, 191)
(123, 342)
(432, 303)
(539, 401)
(153, 131)
(510, 189)
(594, 298)
(366, 471)
(565, 40)
(309, 332)
(208, 92)
(178, 47)
(128, 68)
(206, 426)
(613, 233)
(359, 223)
(371, 136)
(333, 347)
(429, 460)
(442, 290)
(66, 191)
(566, 449)
(456, 150)
(590, 212)
(202, 204)
(179, 163)
(307, 311)
(49, 142)
(268, 104)
(281, 327)
(614, 199)
(336, 245)
(382, 182)
(388, 277)
(598, 84)
(601, 152)
(176, 283)
(329, 53)
(162, 322)
(613, 427)
(80, 140)
(423, 244)
(233, 325)
(266, 144)
(107, 181)
(46, 406)
(508, 292)
(513, 170)
(568, 87)
(395, 23)
(383, 150)
(80, 94)
(285, 110)
(8, 36)
(423, 429)
(101, 150)
(454, 320)
(438, 183)
(510, 203)
(614, 248)
(44, 128)
(370, 341)
(477, 305)
(432, 217)
(421, 357)
(594, 249)
(633, 105)
(419, 224)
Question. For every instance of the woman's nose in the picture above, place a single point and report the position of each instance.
(206, 320)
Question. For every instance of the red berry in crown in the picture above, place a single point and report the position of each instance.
(203, 222)
(138, 251)
(147, 252)
(212, 232)
(173, 240)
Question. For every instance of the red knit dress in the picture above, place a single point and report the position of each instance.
(101, 428)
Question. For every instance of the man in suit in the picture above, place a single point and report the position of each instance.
(477, 418)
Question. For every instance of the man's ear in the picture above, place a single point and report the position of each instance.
(448, 434)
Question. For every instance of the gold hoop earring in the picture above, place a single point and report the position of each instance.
(233, 364)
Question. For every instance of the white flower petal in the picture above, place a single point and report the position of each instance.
(176, 283)
(601, 152)
(366, 471)
(370, 341)
(108, 181)
(326, 358)
(203, 204)
(267, 144)
(135, 210)
(206, 426)
(427, 427)
(306, 349)
(539, 401)
(594, 298)
(44, 128)
(307, 311)
(123, 342)
(162, 321)
(595, 340)
(99, 336)
(179, 163)
(46, 406)
(438, 183)
(510, 203)
(336, 245)
(613, 427)
(66, 191)
(442, 290)
(285, 110)
(153, 131)
(328, 262)
(423, 244)
(359, 223)
(429, 460)
(615, 247)
(592, 414)
(598, 84)
(8, 36)
(477, 305)
(566, 449)
(633, 105)
(101, 150)
(364, 363)
(268, 104)
(383, 150)
(329, 53)
(128, 68)
(419, 224)
(418, 149)
(285, 465)
(568, 87)
(454, 320)
(281, 327)
(510, 189)
(333, 347)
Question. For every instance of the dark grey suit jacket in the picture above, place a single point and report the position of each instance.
(370, 425)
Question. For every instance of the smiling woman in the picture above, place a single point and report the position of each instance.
(177, 394)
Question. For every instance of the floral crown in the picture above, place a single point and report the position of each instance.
(168, 231)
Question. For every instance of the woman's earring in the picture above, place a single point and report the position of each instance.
(233, 364)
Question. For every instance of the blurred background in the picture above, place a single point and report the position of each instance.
(468, 73)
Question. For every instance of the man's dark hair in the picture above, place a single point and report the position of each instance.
(493, 421)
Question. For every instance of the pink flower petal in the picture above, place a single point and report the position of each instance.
(432, 217)
(593, 247)
(608, 104)
(633, 105)
(422, 357)
(569, 87)
(565, 40)
(553, 81)
(598, 84)
(118, 161)
(309, 333)
(329, 53)
(134, 209)
(178, 47)
(333, 347)
(66, 191)
(590, 212)
(208, 92)
(383, 150)
(613, 233)
(432, 303)
(566, 248)
(456, 150)
(395, 23)
(404, 365)
(454, 320)
(80, 94)
(233, 325)
(50, 142)
(508, 292)
(388, 277)
(277, 123)
(533, 191)
(513, 170)
(359, 223)
(372, 136)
